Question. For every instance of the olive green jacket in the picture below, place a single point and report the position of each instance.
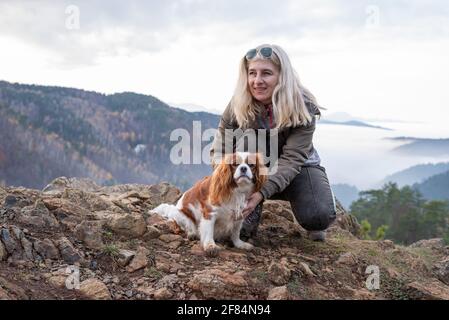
(294, 146)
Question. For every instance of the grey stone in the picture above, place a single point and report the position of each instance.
(10, 244)
(68, 252)
(46, 249)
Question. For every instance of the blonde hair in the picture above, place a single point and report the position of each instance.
(289, 108)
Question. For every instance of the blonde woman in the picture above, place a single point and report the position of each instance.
(270, 96)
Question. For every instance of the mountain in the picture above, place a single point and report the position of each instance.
(107, 241)
(436, 187)
(191, 107)
(345, 193)
(416, 174)
(119, 138)
(422, 147)
(345, 119)
(353, 123)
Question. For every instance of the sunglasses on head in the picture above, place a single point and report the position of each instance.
(265, 52)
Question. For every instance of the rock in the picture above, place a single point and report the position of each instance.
(58, 280)
(278, 293)
(162, 294)
(128, 225)
(68, 252)
(152, 233)
(169, 281)
(87, 200)
(13, 290)
(46, 249)
(66, 212)
(387, 244)
(90, 233)
(428, 290)
(218, 284)
(27, 249)
(347, 221)
(279, 273)
(442, 270)
(61, 183)
(9, 242)
(347, 258)
(436, 243)
(125, 256)
(10, 201)
(171, 237)
(139, 261)
(4, 295)
(3, 252)
(95, 289)
(38, 216)
(306, 269)
(360, 294)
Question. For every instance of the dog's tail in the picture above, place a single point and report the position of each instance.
(168, 211)
(172, 212)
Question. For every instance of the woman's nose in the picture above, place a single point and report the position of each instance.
(258, 79)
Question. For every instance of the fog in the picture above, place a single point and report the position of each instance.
(362, 156)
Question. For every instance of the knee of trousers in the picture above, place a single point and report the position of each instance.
(318, 219)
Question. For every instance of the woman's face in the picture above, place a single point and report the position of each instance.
(263, 76)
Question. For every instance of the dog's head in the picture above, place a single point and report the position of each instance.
(238, 170)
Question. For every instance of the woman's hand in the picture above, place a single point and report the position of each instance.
(253, 201)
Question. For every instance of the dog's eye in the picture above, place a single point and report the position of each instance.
(251, 165)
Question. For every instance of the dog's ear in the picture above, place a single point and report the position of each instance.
(222, 181)
(261, 173)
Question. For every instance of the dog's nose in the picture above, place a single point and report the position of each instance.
(243, 169)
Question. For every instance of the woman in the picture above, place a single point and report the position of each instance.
(270, 96)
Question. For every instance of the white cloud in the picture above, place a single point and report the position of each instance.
(188, 51)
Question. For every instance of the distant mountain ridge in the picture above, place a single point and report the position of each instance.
(49, 132)
(354, 123)
(416, 174)
(422, 146)
(436, 187)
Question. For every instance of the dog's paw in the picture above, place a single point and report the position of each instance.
(211, 249)
(244, 245)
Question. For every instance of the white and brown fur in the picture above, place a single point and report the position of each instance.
(212, 208)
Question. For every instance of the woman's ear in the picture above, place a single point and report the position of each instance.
(222, 182)
(261, 172)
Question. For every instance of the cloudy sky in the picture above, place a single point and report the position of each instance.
(373, 59)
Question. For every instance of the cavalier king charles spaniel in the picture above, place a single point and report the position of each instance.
(212, 208)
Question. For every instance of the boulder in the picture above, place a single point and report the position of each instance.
(68, 252)
(139, 261)
(128, 225)
(90, 232)
(46, 249)
(279, 273)
(218, 284)
(95, 289)
(278, 293)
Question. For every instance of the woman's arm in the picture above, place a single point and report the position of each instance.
(294, 154)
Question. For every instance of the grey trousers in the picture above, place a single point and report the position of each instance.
(311, 200)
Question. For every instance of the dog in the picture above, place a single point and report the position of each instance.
(212, 208)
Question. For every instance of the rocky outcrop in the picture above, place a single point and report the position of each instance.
(78, 240)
